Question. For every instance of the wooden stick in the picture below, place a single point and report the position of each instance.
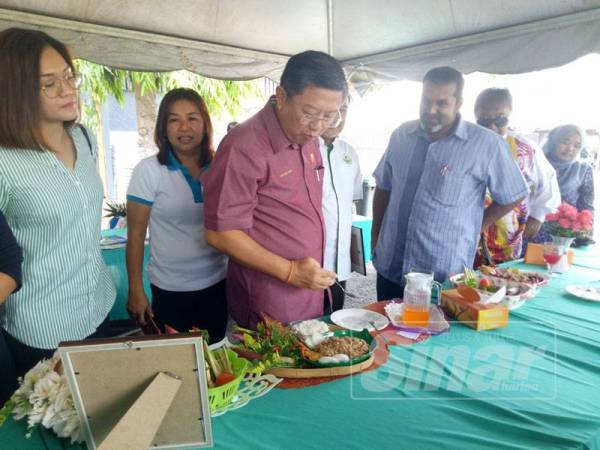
(139, 425)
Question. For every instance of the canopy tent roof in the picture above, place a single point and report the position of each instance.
(375, 39)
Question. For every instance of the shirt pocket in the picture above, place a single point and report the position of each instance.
(447, 189)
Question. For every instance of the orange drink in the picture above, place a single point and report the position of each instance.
(415, 316)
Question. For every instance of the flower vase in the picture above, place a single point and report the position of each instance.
(563, 244)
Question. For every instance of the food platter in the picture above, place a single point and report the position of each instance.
(306, 349)
(362, 335)
(515, 275)
(517, 289)
(318, 372)
(316, 369)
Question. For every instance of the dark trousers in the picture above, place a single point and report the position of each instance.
(17, 358)
(205, 309)
(387, 290)
(338, 296)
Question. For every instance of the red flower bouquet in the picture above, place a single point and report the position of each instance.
(568, 222)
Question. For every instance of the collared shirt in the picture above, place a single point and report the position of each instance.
(11, 256)
(504, 239)
(180, 258)
(270, 188)
(55, 215)
(342, 183)
(444, 220)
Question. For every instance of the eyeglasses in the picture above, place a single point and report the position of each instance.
(330, 120)
(499, 121)
(53, 87)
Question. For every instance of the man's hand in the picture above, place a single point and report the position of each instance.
(532, 227)
(496, 211)
(308, 274)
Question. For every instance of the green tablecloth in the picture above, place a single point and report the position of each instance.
(532, 385)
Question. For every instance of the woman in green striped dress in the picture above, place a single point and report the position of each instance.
(51, 196)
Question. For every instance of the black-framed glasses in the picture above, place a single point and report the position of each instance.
(498, 121)
(52, 87)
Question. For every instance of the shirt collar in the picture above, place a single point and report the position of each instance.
(172, 162)
(279, 141)
(194, 184)
(324, 145)
(459, 130)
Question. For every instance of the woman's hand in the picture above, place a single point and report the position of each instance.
(138, 306)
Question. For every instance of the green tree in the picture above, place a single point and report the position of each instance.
(99, 82)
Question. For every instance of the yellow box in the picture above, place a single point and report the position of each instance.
(535, 255)
(475, 315)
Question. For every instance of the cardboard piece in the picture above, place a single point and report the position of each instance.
(107, 376)
(474, 314)
(150, 409)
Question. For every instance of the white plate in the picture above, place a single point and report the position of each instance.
(585, 292)
(357, 319)
(513, 302)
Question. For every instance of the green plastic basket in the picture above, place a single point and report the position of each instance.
(221, 396)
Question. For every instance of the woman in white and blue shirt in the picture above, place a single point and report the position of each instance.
(187, 276)
(51, 196)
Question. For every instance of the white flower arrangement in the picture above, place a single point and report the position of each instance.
(43, 397)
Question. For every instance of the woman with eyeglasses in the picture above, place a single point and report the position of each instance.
(51, 195)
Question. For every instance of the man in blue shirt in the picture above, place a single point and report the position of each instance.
(428, 208)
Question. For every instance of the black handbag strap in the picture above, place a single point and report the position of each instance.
(87, 138)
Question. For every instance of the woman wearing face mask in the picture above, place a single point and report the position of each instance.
(187, 276)
(51, 196)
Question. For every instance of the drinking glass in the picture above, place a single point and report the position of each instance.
(552, 255)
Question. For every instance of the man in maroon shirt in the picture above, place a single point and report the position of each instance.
(263, 196)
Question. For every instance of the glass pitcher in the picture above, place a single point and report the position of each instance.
(417, 298)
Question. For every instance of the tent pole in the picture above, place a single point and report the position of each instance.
(330, 27)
